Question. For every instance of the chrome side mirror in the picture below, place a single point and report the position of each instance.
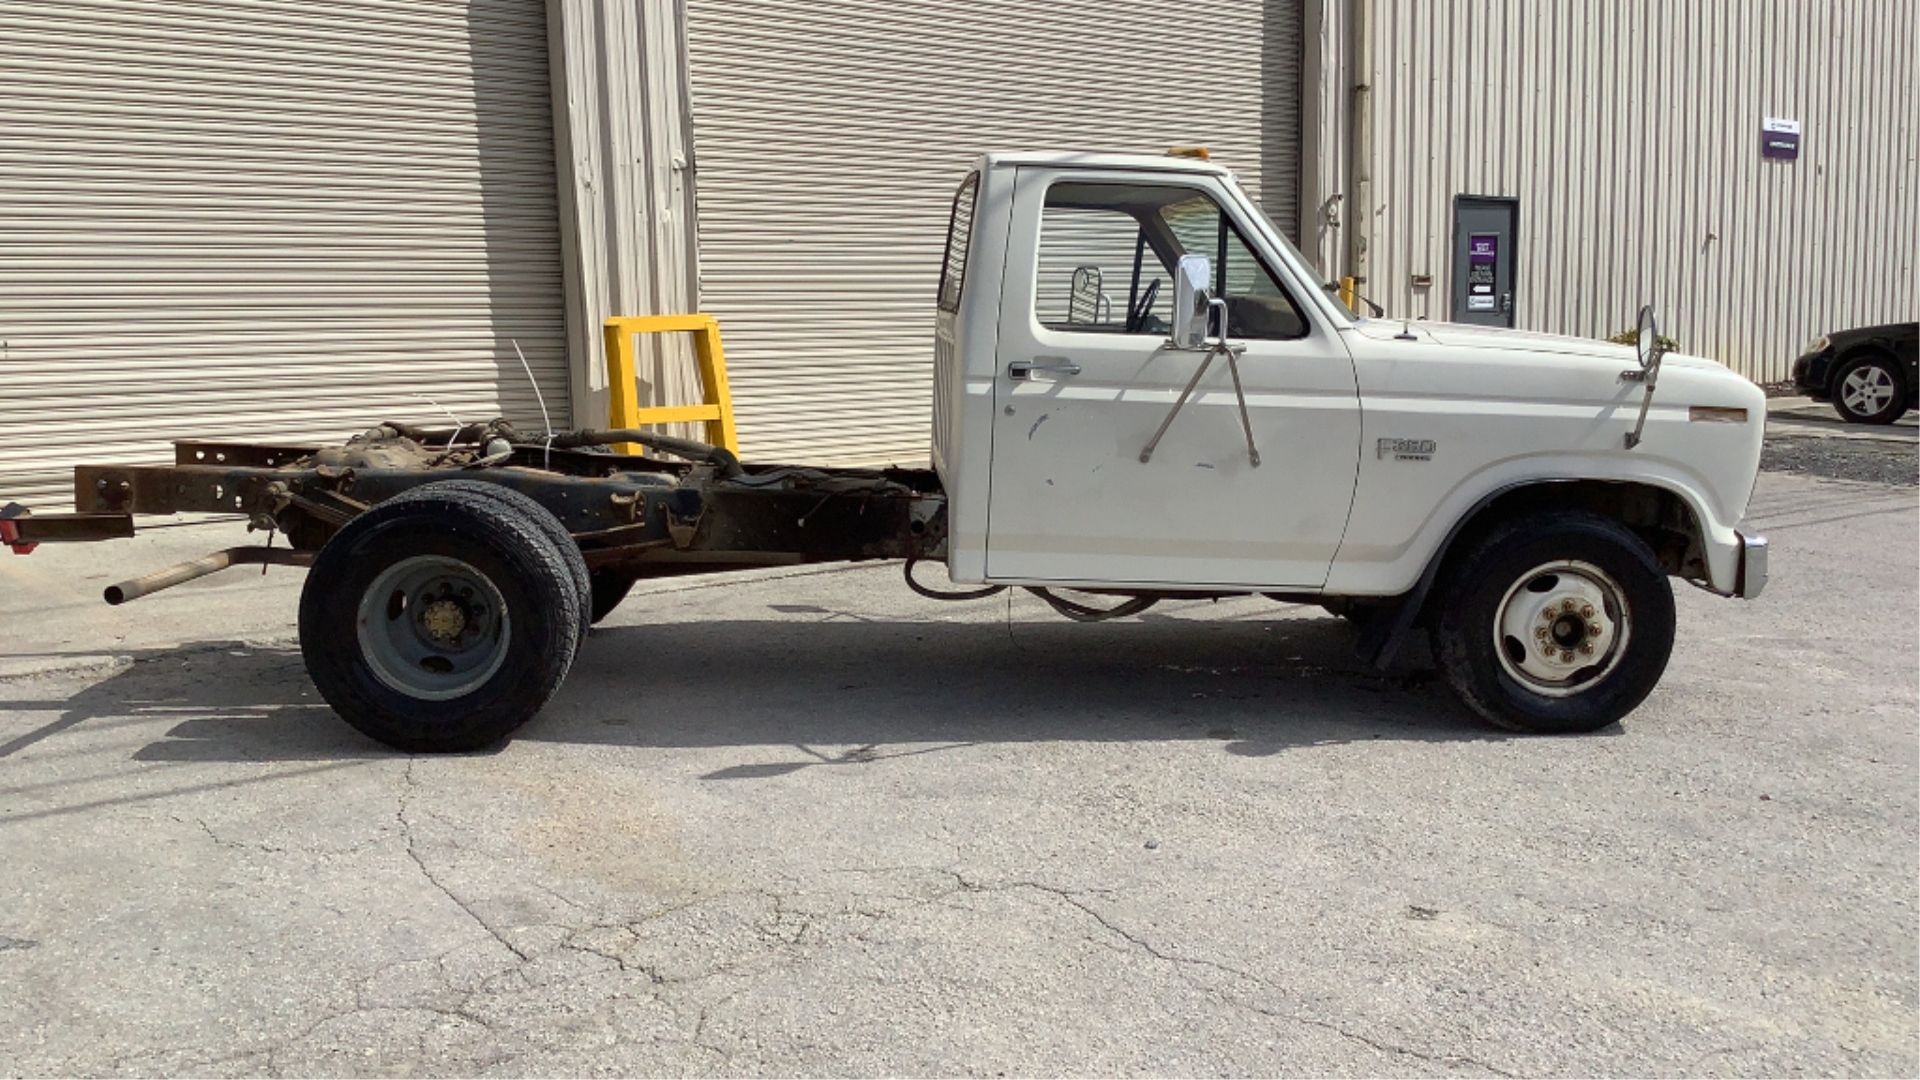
(1192, 302)
(1648, 343)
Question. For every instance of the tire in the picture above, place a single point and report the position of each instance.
(1514, 584)
(608, 588)
(385, 593)
(542, 519)
(1869, 389)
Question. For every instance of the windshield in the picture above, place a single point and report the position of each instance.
(1295, 260)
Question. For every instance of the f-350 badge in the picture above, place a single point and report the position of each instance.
(1407, 449)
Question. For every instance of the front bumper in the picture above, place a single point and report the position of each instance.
(1751, 576)
(1809, 371)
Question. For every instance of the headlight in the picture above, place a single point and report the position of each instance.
(1818, 344)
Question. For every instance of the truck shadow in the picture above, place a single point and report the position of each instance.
(856, 687)
(840, 690)
(221, 700)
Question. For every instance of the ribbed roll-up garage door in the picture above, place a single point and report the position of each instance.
(830, 135)
(268, 219)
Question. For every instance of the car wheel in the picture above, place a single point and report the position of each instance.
(609, 587)
(440, 621)
(1869, 390)
(1555, 623)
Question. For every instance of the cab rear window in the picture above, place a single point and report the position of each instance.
(953, 269)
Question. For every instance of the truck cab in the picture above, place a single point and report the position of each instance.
(1141, 386)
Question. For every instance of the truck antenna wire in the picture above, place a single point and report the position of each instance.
(539, 397)
(458, 427)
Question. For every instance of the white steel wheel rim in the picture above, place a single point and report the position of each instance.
(433, 628)
(1867, 389)
(1562, 628)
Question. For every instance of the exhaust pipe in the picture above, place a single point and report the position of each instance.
(201, 567)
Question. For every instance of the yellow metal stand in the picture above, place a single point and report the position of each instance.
(623, 404)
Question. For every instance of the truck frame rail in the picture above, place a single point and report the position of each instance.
(642, 515)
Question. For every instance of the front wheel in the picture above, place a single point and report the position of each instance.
(1869, 390)
(1557, 623)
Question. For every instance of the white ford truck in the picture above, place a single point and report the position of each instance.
(1141, 391)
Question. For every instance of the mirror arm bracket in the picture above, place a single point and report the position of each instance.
(1647, 330)
(1215, 347)
(1652, 376)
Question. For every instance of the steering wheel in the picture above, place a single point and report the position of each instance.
(1137, 318)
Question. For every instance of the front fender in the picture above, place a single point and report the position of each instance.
(1387, 549)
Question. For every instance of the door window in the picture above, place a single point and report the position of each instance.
(1107, 253)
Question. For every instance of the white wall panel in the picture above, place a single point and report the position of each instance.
(1630, 133)
(626, 192)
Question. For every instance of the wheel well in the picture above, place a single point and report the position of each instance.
(1658, 516)
(1866, 350)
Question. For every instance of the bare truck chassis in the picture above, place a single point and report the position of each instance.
(629, 514)
(459, 651)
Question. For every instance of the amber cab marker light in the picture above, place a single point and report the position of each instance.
(1200, 152)
(1717, 414)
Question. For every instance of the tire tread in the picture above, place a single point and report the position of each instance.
(1474, 674)
(329, 611)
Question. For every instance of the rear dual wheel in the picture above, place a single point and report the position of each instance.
(444, 618)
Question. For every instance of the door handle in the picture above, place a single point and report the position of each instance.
(1052, 365)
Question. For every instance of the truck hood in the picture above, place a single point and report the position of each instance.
(1470, 336)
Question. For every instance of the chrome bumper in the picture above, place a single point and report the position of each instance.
(1751, 576)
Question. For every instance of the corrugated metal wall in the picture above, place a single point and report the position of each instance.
(831, 137)
(1630, 132)
(626, 194)
(230, 217)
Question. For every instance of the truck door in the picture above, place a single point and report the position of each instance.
(1086, 376)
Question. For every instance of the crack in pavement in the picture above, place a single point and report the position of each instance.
(413, 852)
(786, 930)
(1181, 963)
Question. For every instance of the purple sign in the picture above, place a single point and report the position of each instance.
(1483, 254)
(1780, 139)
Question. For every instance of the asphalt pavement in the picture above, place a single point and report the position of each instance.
(1809, 438)
(807, 822)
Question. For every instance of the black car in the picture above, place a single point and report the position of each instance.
(1871, 374)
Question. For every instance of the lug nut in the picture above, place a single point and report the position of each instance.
(1566, 605)
(1593, 628)
(1540, 632)
(1566, 656)
(1547, 615)
(1586, 611)
(1587, 647)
